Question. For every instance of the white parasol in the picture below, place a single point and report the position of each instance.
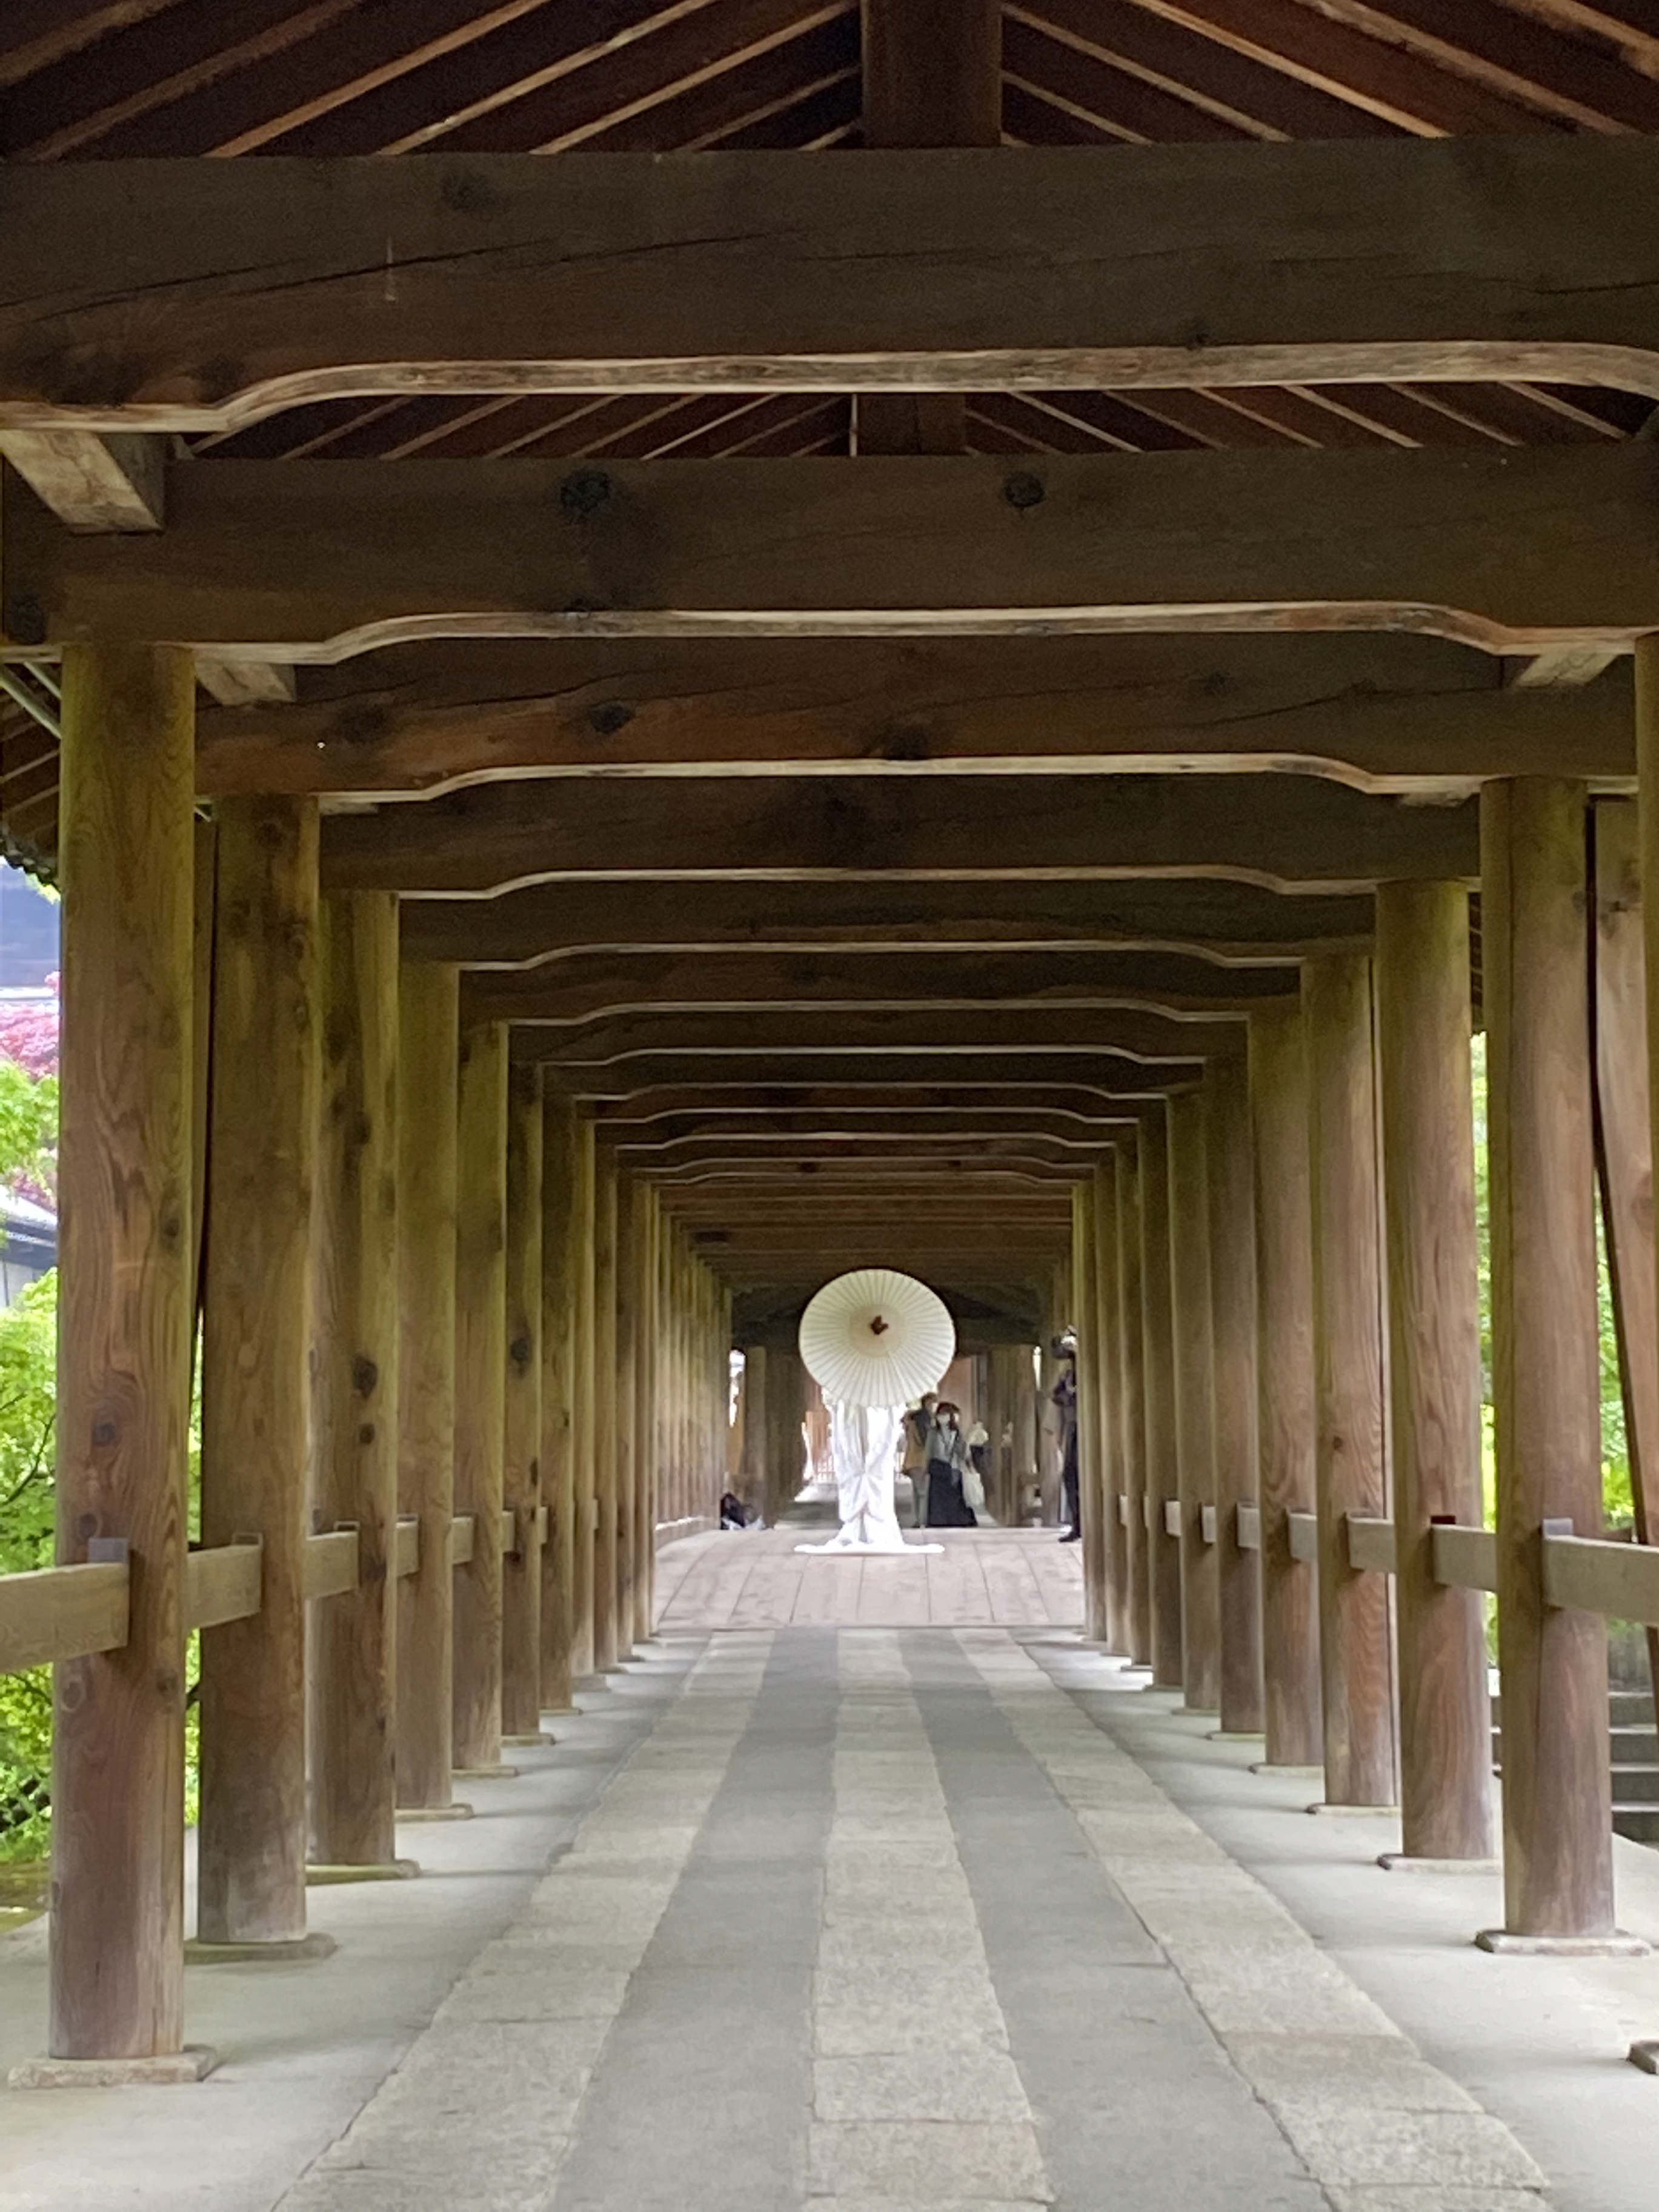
(877, 1338)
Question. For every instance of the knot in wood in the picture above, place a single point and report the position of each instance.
(364, 1375)
(26, 621)
(584, 493)
(1023, 489)
(609, 716)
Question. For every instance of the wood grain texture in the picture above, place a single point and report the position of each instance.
(644, 1293)
(560, 1251)
(1422, 1024)
(480, 1369)
(1624, 1140)
(1231, 1211)
(1083, 1313)
(255, 1365)
(1350, 1466)
(1558, 1869)
(124, 1328)
(1107, 1543)
(352, 1654)
(53, 1613)
(585, 1384)
(1163, 1443)
(1286, 1420)
(943, 269)
(521, 1429)
(428, 1080)
(607, 1533)
(624, 1354)
(1194, 1400)
(1129, 1578)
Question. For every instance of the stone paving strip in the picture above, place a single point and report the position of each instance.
(481, 2110)
(917, 2105)
(1380, 2129)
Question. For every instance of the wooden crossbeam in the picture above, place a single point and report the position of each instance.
(580, 990)
(193, 295)
(1509, 550)
(955, 1151)
(1231, 923)
(1110, 1074)
(716, 1105)
(1391, 713)
(1277, 831)
(643, 1138)
(905, 1032)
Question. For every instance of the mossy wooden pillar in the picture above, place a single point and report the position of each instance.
(1434, 1361)
(124, 1345)
(625, 1324)
(1162, 1447)
(1194, 1403)
(1233, 1293)
(645, 1454)
(1286, 1425)
(480, 1366)
(584, 1502)
(1129, 1574)
(521, 1449)
(256, 1370)
(1556, 1795)
(1108, 1336)
(429, 1030)
(1356, 1638)
(1092, 1481)
(353, 1637)
(605, 1415)
(560, 1244)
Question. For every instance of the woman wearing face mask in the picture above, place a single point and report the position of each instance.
(947, 1461)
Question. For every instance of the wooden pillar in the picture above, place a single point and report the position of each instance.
(1162, 1445)
(256, 1370)
(1023, 1470)
(584, 1504)
(561, 1249)
(480, 1365)
(1292, 1706)
(623, 1325)
(1556, 1795)
(1091, 1479)
(1434, 1361)
(1232, 1284)
(427, 1084)
(1109, 1333)
(756, 1482)
(1194, 1403)
(521, 1449)
(1355, 1641)
(353, 1643)
(1129, 1567)
(126, 1303)
(605, 1415)
(645, 1358)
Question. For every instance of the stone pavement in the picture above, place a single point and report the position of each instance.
(848, 1920)
(739, 1578)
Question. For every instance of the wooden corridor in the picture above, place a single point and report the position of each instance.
(983, 1579)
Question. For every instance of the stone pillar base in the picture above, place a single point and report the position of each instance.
(283, 1949)
(194, 2064)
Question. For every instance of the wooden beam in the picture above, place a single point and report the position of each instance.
(913, 546)
(1055, 1137)
(269, 284)
(1384, 712)
(89, 483)
(1061, 1110)
(1111, 1075)
(1231, 923)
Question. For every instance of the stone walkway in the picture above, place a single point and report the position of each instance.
(1006, 1578)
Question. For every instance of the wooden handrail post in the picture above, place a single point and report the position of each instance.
(521, 1449)
(1291, 1704)
(1356, 1643)
(256, 1370)
(1434, 1361)
(127, 1303)
(1162, 1447)
(583, 1497)
(560, 1253)
(605, 1415)
(1233, 1301)
(428, 1079)
(1129, 1566)
(1195, 1402)
(1556, 1795)
(353, 1639)
(480, 1365)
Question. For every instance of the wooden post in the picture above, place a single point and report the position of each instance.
(256, 1372)
(1232, 1284)
(584, 1504)
(352, 1668)
(1023, 1470)
(645, 1361)
(757, 1433)
(127, 1300)
(1162, 1446)
(1356, 1639)
(203, 907)
(1103, 1539)
(560, 1247)
(480, 1364)
(521, 1454)
(624, 1326)
(1195, 1404)
(1129, 1573)
(427, 1086)
(605, 1415)
(1291, 1707)
(1556, 1795)
(1092, 1482)
(1434, 1361)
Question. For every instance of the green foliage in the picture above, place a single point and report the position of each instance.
(27, 1355)
(29, 1125)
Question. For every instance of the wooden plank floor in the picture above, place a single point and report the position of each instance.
(984, 1578)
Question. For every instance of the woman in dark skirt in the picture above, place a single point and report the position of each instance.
(947, 1457)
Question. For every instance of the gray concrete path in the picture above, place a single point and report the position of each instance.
(863, 1920)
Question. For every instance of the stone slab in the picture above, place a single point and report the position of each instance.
(173, 2069)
